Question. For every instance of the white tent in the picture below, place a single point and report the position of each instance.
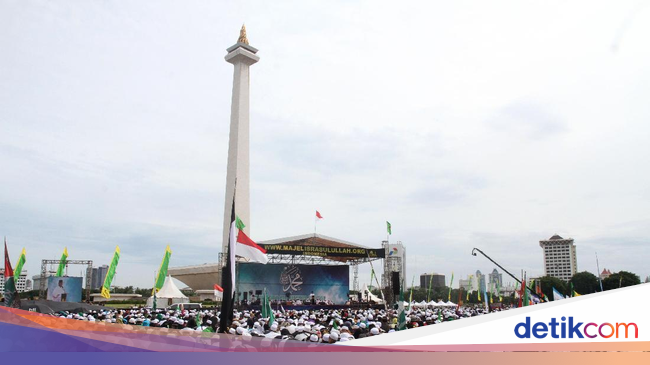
(450, 304)
(432, 303)
(368, 295)
(167, 295)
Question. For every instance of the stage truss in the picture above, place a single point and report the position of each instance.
(44, 263)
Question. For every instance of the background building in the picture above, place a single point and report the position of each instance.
(605, 274)
(435, 280)
(97, 277)
(559, 257)
(495, 280)
(21, 285)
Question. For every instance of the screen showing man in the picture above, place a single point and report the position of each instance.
(58, 294)
(64, 289)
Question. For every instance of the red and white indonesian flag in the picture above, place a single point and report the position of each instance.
(318, 215)
(248, 249)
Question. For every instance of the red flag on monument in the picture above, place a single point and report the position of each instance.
(318, 215)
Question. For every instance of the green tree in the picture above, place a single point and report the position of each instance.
(549, 282)
(585, 283)
(621, 279)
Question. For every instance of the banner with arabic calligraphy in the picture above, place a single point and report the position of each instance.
(329, 284)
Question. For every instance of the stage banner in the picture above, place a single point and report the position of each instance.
(324, 251)
(293, 282)
(64, 289)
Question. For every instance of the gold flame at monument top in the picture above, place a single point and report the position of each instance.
(242, 35)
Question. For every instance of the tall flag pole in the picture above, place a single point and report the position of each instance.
(450, 284)
(162, 272)
(12, 299)
(429, 291)
(316, 219)
(471, 285)
(487, 306)
(411, 295)
(106, 288)
(19, 267)
(381, 291)
(389, 230)
(63, 262)
(228, 275)
(600, 279)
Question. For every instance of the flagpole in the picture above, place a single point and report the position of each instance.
(600, 280)
(381, 290)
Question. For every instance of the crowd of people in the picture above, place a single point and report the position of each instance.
(319, 325)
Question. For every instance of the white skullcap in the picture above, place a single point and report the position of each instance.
(313, 338)
(374, 331)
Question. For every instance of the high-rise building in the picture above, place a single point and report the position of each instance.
(559, 257)
(435, 280)
(21, 285)
(495, 280)
(97, 277)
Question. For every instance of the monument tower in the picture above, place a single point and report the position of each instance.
(242, 56)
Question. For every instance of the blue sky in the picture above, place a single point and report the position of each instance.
(465, 125)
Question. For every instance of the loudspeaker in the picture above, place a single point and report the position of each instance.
(395, 282)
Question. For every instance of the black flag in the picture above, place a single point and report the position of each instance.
(228, 276)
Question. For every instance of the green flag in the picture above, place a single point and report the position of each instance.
(239, 224)
(267, 311)
(106, 288)
(471, 284)
(388, 228)
(62, 262)
(19, 266)
(162, 272)
(450, 283)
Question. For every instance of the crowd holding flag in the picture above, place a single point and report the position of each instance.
(63, 262)
(106, 287)
(267, 311)
(162, 272)
(12, 299)
(19, 266)
(557, 295)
